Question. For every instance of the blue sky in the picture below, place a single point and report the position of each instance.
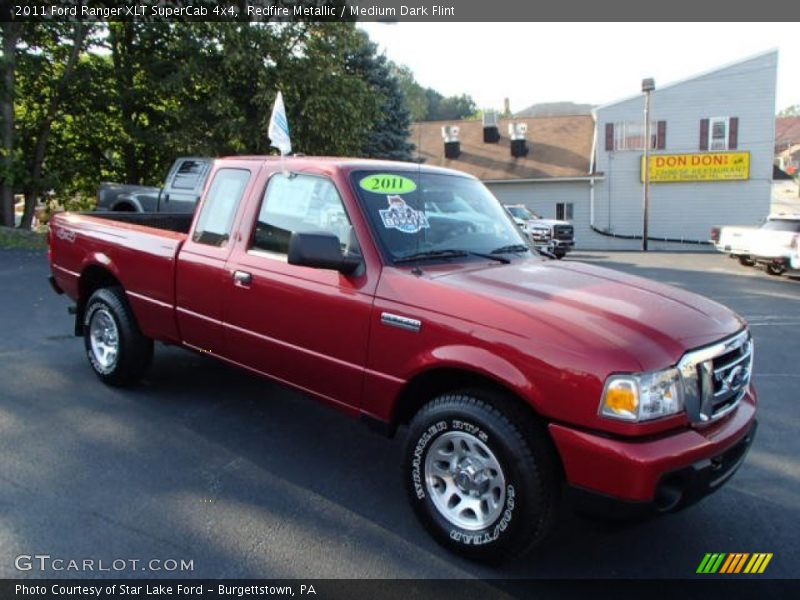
(580, 62)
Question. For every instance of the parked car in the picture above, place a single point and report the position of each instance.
(767, 241)
(521, 380)
(180, 193)
(554, 236)
(734, 241)
(771, 246)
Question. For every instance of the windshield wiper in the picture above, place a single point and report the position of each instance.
(510, 249)
(449, 253)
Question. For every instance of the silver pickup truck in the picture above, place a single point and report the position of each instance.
(554, 236)
(182, 188)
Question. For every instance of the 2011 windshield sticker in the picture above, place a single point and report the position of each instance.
(387, 183)
(402, 217)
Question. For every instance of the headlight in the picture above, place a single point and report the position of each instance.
(642, 396)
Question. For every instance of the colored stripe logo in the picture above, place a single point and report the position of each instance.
(734, 563)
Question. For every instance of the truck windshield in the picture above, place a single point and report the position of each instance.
(521, 212)
(435, 216)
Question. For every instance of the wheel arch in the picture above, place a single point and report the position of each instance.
(432, 382)
(93, 277)
(127, 204)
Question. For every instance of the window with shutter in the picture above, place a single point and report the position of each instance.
(719, 133)
(629, 135)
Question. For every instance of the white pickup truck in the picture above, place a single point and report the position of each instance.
(774, 244)
(768, 244)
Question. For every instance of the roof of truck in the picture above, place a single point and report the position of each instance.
(350, 164)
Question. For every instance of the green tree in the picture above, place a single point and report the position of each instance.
(416, 98)
(450, 108)
(11, 33)
(388, 137)
(120, 101)
(45, 73)
(790, 111)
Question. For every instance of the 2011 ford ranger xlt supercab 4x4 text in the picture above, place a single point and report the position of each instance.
(522, 381)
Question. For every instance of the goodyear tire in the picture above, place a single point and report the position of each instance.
(481, 475)
(118, 352)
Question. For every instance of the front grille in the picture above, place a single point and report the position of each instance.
(562, 232)
(716, 378)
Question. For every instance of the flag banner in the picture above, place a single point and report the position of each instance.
(279, 127)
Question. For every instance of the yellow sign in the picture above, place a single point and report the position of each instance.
(702, 166)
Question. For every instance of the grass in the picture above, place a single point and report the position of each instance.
(23, 240)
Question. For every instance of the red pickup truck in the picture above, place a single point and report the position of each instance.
(522, 381)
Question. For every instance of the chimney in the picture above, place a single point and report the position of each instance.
(452, 146)
(517, 133)
(491, 134)
(506, 107)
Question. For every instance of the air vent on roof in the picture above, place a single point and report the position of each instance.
(491, 134)
(517, 133)
(452, 145)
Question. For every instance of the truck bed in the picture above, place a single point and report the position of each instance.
(139, 249)
(177, 222)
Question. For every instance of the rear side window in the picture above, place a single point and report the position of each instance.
(216, 216)
(302, 203)
(189, 175)
(780, 225)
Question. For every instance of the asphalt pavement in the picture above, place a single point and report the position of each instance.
(248, 479)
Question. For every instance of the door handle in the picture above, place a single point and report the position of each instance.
(242, 277)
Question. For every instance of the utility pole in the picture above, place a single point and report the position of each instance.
(648, 85)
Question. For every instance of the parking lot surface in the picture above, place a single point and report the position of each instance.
(245, 478)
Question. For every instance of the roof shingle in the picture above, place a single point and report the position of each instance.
(557, 147)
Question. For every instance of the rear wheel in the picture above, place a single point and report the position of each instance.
(746, 261)
(481, 476)
(117, 350)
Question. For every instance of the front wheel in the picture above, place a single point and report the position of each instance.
(118, 352)
(484, 485)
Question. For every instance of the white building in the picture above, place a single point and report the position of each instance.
(712, 149)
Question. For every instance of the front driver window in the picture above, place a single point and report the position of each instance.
(305, 204)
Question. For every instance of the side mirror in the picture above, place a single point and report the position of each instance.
(320, 250)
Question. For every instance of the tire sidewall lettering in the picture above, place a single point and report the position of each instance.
(492, 533)
(417, 478)
(468, 538)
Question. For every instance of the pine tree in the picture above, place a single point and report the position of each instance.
(388, 137)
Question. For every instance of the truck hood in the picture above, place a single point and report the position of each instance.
(594, 309)
(548, 222)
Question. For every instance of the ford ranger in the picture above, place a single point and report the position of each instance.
(520, 381)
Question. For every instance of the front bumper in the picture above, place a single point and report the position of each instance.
(624, 477)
